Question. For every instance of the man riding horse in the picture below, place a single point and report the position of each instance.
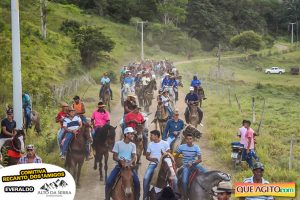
(190, 99)
(196, 83)
(8, 127)
(189, 151)
(105, 81)
(124, 153)
(27, 106)
(173, 127)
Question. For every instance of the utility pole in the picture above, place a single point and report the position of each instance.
(142, 39)
(16, 64)
(292, 39)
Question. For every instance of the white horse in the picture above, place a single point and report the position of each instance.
(172, 96)
(125, 91)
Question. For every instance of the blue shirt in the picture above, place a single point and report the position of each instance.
(165, 82)
(189, 153)
(191, 97)
(172, 126)
(137, 80)
(124, 150)
(128, 80)
(105, 80)
(196, 83)
(26, 101)
(172, 83)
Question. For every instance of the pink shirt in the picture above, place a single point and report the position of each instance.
(242, 132)
(250, 135)
(100, 119)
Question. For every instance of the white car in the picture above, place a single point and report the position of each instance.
(275, 70)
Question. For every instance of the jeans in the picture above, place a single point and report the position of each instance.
(60, 136)
(67, 141)
(249, 157)
(147, 178)
(27, 111)
(186, 174)
(101, 92)
(170, 140)
(112, 178)
(170, 111)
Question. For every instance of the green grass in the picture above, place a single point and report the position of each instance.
(281, 116)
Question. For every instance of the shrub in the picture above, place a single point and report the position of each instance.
(69, 27)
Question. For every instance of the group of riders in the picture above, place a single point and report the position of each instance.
(72, 117)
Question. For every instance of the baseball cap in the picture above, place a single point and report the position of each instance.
(192, 88)
(30, 147)
(128, 130)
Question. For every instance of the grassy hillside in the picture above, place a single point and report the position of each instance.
(281, 116)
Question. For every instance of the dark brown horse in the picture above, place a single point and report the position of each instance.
(106, 96)
(161, 117)
(148, 94)
(164, 175)
(139, 141)
(77, 152)
(104, 141)
(124, 189)
(12, 149)
(35, 121)
(139, 93)
(201, 96)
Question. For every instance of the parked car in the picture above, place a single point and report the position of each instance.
(275, 70)
(295, 70)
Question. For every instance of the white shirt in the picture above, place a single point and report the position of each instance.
(155, 149)
(242, 132)
(72, 124)
(165, 100)
(124, 150)
(145, 80)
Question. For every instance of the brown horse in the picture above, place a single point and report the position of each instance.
(161, 117)
(165, 174)
(13, 148)
(77, 152)
(35, 121)
(139, 93)
(104, 141)
(106, 96)
(124, 189)
(139, 141)
(201, 96)
(195, 114)
(148, 94)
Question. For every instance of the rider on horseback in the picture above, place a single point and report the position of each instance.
(173, 127)
(27, 105)
(146, 80)
(124, 151)
(60, 119)
(8, 128)
(190, 99)
(138, 79)
(165, 99)
(154, 151)
(79, 107)
(166, 81)
(196, 83)
(105, 80)
(71, 124)
(173, 83)
(134, 118)
(189, 151)
(100, 118)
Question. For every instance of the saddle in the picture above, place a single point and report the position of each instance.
(193, 174)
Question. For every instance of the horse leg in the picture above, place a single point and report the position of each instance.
(95, 161)
(79, 173)
(100, 167)
(105, 165)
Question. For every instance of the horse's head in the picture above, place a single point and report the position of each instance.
(168, 166)
(110, 140)
(127, 181)
(191, 129)
(213, 178)
(18, 141)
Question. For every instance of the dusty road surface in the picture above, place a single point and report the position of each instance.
(91, 187)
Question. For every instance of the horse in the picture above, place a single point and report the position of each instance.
(139, 93)
(164, 175)
(124, 189)
(13, 148)
(148, 94)
(139, 141)
(77, 152)
(201, 187)
(194, 117)
(201, 96)
(126, 90)
(171, 96)
(103, 143)
(35, 121)
(162, 117)
(106, 95)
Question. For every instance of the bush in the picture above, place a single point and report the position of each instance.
(70, 27)
(268, 40)
(112, 76)
(247, 40)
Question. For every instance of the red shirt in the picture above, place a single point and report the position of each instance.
(60, 116)
(135, 117)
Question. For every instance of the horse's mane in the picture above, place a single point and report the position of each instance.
(192, 130)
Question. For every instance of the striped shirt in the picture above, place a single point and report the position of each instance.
(189, 153)
(250, 180)
(24, 160)
(72, 124)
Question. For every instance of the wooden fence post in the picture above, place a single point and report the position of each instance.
(253, 110)
(262, 116)
(229, 96)
(238, 103)
(291, 154)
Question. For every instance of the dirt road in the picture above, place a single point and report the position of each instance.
(92, 188)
